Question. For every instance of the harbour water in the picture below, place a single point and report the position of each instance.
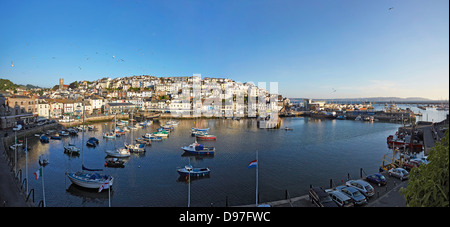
(314, 152)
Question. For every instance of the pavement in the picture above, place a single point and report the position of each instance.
(10, 194)
(392, 198)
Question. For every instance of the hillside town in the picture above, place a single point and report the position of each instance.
(178, 96)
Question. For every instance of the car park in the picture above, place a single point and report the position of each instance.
(400, 173)
(365, 188)
(320, 197)
(341, 199)
(357, 197)
(377, 179)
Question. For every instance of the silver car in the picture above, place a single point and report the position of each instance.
(358, 198)
(341, 199)
(365, 188)
(400, 173)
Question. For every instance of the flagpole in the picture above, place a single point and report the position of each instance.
(257, 166)
(43, 188)
(15, 153)
(189, 189)
(26, 161)
(109, 195)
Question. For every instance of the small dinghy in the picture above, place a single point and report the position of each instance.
(189, 170)
(196, 148)
(118, 153)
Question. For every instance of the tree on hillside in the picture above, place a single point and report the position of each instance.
(6, 84)
(428, 184)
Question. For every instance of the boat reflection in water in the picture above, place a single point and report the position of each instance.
(89, 196)
(185, 179)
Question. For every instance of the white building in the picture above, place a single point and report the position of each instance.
(42, 108)
(96, 103)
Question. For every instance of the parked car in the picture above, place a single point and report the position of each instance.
(365, 188)
(17, 127)
(413, 163)
(357, 197)
(321, 198)
(400, 173)
(377, 178)
(341, 199)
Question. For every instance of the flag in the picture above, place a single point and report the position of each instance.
(253, 163)
(38, 173)
(104, 186)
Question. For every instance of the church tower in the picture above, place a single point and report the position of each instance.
(61, 83)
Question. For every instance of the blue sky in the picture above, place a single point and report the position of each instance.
(315, 49)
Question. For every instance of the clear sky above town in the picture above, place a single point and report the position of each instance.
(314, 49)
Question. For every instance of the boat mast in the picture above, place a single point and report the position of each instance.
(257, 166)
(82, 139)
(189, 184)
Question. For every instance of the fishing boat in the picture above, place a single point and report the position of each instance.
(163, 133)
(166, 127)
(189, 170)
(114, 162)
(200, 129)
(109, 135)
(145, 141)
(139, 147)
(81, 129)
(118, 153)
(172, 122)
(55, 137)
(206, 136)
(119, 131)
(398, 142)
(71, 149)
(132, 127)
(43, 161)
(195, 133)
(92, 142)
(146, 123)
(44, 139)
(72, 131)
(150, 136)
(64, 133)
(90, 180)
(196, 148)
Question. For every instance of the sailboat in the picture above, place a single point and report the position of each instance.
(70, 148)
(137, 147)
(118, 152)
(110, 135)
(90, 179)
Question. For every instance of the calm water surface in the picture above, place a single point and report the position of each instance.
(313, 153)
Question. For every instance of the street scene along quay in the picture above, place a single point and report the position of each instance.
(140, 121)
